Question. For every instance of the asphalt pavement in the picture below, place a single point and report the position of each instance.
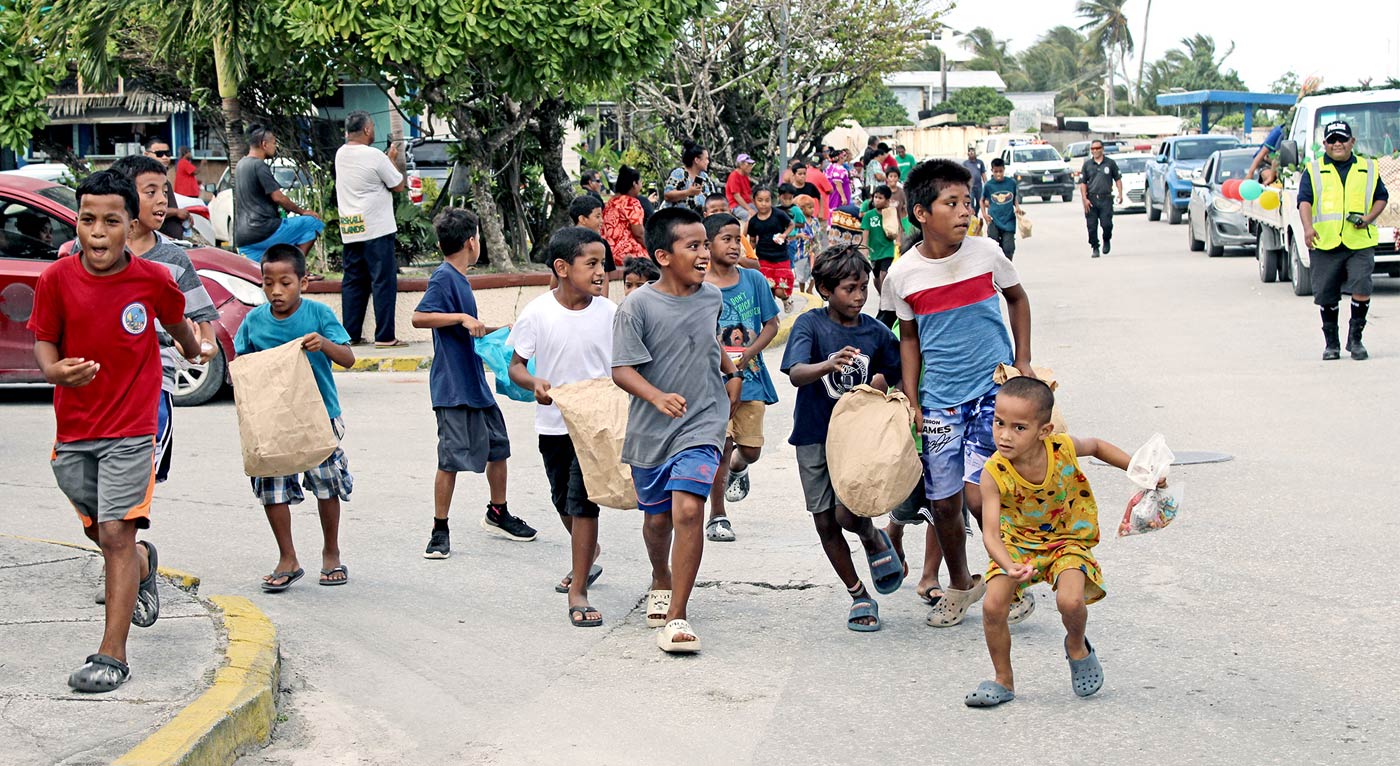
(1258, 628)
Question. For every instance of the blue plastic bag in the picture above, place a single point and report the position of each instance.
(496, 353)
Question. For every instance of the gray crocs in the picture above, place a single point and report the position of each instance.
(147, 609)
(1086, 675)
(99, 673)
(719, 530)
(988, 694)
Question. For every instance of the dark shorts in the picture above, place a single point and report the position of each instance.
(1341, 271)
(165, 435)
(690, 470)
(469, 438)
(817, 491)
(566, 488)
(881, 266)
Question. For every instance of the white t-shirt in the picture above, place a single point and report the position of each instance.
(363, 177)
(567, 346)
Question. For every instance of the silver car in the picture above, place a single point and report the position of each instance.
(1213, 222)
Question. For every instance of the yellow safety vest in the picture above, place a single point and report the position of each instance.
(1333, 201)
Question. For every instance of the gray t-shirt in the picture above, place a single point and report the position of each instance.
(199, 307)
(671, 342)
(256, 216)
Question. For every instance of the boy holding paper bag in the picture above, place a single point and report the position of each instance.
(286, 317)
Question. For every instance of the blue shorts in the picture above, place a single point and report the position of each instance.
(957, 443)
(295, 230)
(690, 470)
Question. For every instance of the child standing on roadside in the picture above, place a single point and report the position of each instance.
(952, 285)
(880, 246)
(638, 272)
(1000, 204)
(94, 341)
(471, 430)
(768, 231)
(684, 390)
(828, 353)
(748, 321)
(1034, 492)
(568, 332)
(587, 211)
(285, 318)
(716, 204)
(145, 241)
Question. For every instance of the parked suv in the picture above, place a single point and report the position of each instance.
(1169, 177)
(1039, 169)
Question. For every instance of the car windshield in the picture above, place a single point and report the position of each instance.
(1078, 150)
(1376, 126)
(62, 195)
(1035, 154)
(1202, 148)
(1232, 166)
(1132, 165)
(432, 153)
(290, 177)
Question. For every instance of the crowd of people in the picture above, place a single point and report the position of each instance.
(704, 276)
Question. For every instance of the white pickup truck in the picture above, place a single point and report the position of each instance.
(1374, 117)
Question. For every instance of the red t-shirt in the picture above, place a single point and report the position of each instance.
(108, 320)
(186, 178)
(888, 163)
(738, 184)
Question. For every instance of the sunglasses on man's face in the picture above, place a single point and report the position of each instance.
(161, 152)
(1335, 140)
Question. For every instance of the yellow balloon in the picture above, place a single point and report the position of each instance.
(1269, 200)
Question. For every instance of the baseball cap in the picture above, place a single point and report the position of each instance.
(1337, 128)
(743, 158)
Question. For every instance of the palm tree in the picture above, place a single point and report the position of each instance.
(1108, 31)
(1146, 18)
(992, 54)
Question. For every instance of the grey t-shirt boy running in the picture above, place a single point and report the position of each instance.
(671, 342)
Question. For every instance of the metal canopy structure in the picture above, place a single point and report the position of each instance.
(1208, 98)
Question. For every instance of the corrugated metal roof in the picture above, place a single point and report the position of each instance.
(972, 78)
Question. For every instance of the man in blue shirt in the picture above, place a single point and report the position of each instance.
(1267, 152)
(471, 430)
(1001, 203)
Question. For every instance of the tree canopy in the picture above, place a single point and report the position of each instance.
(977, 105)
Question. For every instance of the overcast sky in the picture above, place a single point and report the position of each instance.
(1270, 37)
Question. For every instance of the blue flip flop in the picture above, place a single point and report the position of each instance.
(988, 694)
(864, 606)
(885, 567)
(1086, 675)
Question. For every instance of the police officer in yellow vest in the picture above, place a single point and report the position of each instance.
(1339, 199)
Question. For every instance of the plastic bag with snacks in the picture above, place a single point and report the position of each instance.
(1153, 506)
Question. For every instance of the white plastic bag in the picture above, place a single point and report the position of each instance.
(1150, 508)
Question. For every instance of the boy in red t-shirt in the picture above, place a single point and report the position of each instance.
(95, 340)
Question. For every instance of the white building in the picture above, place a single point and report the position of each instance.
(922, 91)
(1029, 110)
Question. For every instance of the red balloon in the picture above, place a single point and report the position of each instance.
(1231, 189)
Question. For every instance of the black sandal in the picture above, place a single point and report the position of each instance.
(585, 621)
(147, 609)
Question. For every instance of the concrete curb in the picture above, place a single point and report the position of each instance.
(413, 363)
(237, 711)
(182, 580)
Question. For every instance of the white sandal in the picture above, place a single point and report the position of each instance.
(658, 602)
(666, 639)
(952, 608)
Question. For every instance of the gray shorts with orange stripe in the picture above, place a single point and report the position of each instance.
(108, 479)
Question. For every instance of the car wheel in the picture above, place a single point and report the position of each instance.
(1173, 214)
(1300, 275)
(1045, 198)
(1212, 249)
(1067, 196)
(196, 384)
(1194, 244)
(1270, 262)
(1153, 212)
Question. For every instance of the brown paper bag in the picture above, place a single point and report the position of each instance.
(889, 221)
(1005, 372)
(870, 451)
(1023, 226)
(282, 419)
(595, 412)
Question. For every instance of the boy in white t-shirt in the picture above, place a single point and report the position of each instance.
(568, 332)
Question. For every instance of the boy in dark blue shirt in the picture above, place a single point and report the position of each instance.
(828, 353)
(471, 430)
(1001, 203)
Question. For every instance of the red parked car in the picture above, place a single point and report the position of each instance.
(36, 218)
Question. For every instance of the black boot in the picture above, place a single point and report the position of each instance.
(1096, 252)
(1107, 246)
(1332, 344)
(1358, 351)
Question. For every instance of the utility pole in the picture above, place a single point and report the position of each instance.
(783, 92)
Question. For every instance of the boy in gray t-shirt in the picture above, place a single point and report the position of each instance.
(683, 389)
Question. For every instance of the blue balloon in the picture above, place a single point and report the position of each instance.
(1251, 189)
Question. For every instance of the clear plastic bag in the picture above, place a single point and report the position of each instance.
(1151, 508)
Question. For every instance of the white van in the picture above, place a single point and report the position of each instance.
(995, 144)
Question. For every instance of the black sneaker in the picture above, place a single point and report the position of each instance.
(1095, 253)
(909, 514)
(1107, 246)
(509, 527)
(736, 488)
(439, 545)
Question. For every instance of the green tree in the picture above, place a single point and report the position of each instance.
(978, 105)
(876, 104)
(1287, 82)
(1107, 26)
(487, 67)
(28, 73)
(993, 55)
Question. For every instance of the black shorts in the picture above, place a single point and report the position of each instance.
(881, 266)
(566, 486)
(469, 438)
(1341, 271)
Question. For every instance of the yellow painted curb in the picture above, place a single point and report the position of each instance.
(387, 364)
(182, 580)
(785, 327)
(237, 711)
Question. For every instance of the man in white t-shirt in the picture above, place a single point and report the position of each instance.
(364, 180)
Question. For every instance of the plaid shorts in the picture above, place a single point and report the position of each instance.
(329, 479)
